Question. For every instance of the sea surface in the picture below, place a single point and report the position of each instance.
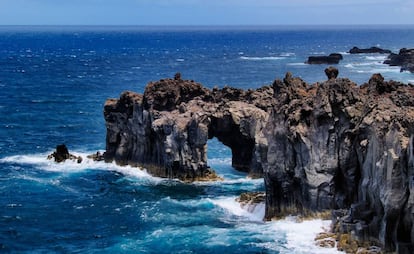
(53, 85)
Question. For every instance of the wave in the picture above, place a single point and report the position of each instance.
(252, 212)
(376, 58)
(265, 58)
(288, 54)
(300, 235)
(40, 161)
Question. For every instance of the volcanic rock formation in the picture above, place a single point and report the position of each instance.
(356, 50)
(404, 59)
(336, 145)
(328, 146)
(166, 129)
(333, 58)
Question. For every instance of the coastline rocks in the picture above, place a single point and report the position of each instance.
(333, 58)
(336, 145)
(371, 50)
(404, 59)
(166, 129)
(62, 154)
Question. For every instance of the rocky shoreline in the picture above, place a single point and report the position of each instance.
(330, 146)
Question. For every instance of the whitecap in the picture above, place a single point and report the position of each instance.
(253, 212)
(376, 58)
(300, 235)
(287, 54)
(265, 58)
(179, 60)
(41, 162)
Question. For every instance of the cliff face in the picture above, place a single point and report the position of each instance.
(335, 145)
(328, 146)
(166, 129)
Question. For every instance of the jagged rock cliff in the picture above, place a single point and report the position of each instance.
(166, 129)
(336, 145)
(329, 146)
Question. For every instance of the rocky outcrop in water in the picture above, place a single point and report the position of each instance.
(61, 154)
(333, 58)
(404, 59)
(371, 50)
(336, 145)
(166, 129)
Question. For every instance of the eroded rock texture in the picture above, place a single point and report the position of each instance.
(335, 145)
(166, 129)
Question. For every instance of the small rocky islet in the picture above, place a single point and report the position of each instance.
(404, 58)
(329, 146)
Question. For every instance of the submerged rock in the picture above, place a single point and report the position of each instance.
(336, 145)
(166, 129)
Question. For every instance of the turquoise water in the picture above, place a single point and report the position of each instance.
(54, 82)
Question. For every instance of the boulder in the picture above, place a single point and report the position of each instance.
(371, 50)
(333, 58)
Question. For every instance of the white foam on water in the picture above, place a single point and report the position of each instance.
(287, 54)
(300, 235)
(41, 162)
(377, 58)
(265, 58)
(252, 212)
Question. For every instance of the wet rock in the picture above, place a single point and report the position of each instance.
(62, 154)
(333, 58)
(98, 156)
(371, 50)
(404, 59)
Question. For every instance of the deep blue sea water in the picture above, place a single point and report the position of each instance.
(54, 82)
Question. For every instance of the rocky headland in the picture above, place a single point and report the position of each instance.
(166, 129)
(331, 146)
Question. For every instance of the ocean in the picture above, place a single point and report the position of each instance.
(54, 82)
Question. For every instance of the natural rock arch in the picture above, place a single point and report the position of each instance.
(166, 129)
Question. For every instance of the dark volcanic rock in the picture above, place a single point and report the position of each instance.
(166, 129)
(333, 58)
(331, 72)
(329, 146)
(356, 50)
(62, 154)
(336, 145)
(405, 59)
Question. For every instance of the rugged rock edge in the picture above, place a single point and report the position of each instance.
(166, 129)
(336, 145)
